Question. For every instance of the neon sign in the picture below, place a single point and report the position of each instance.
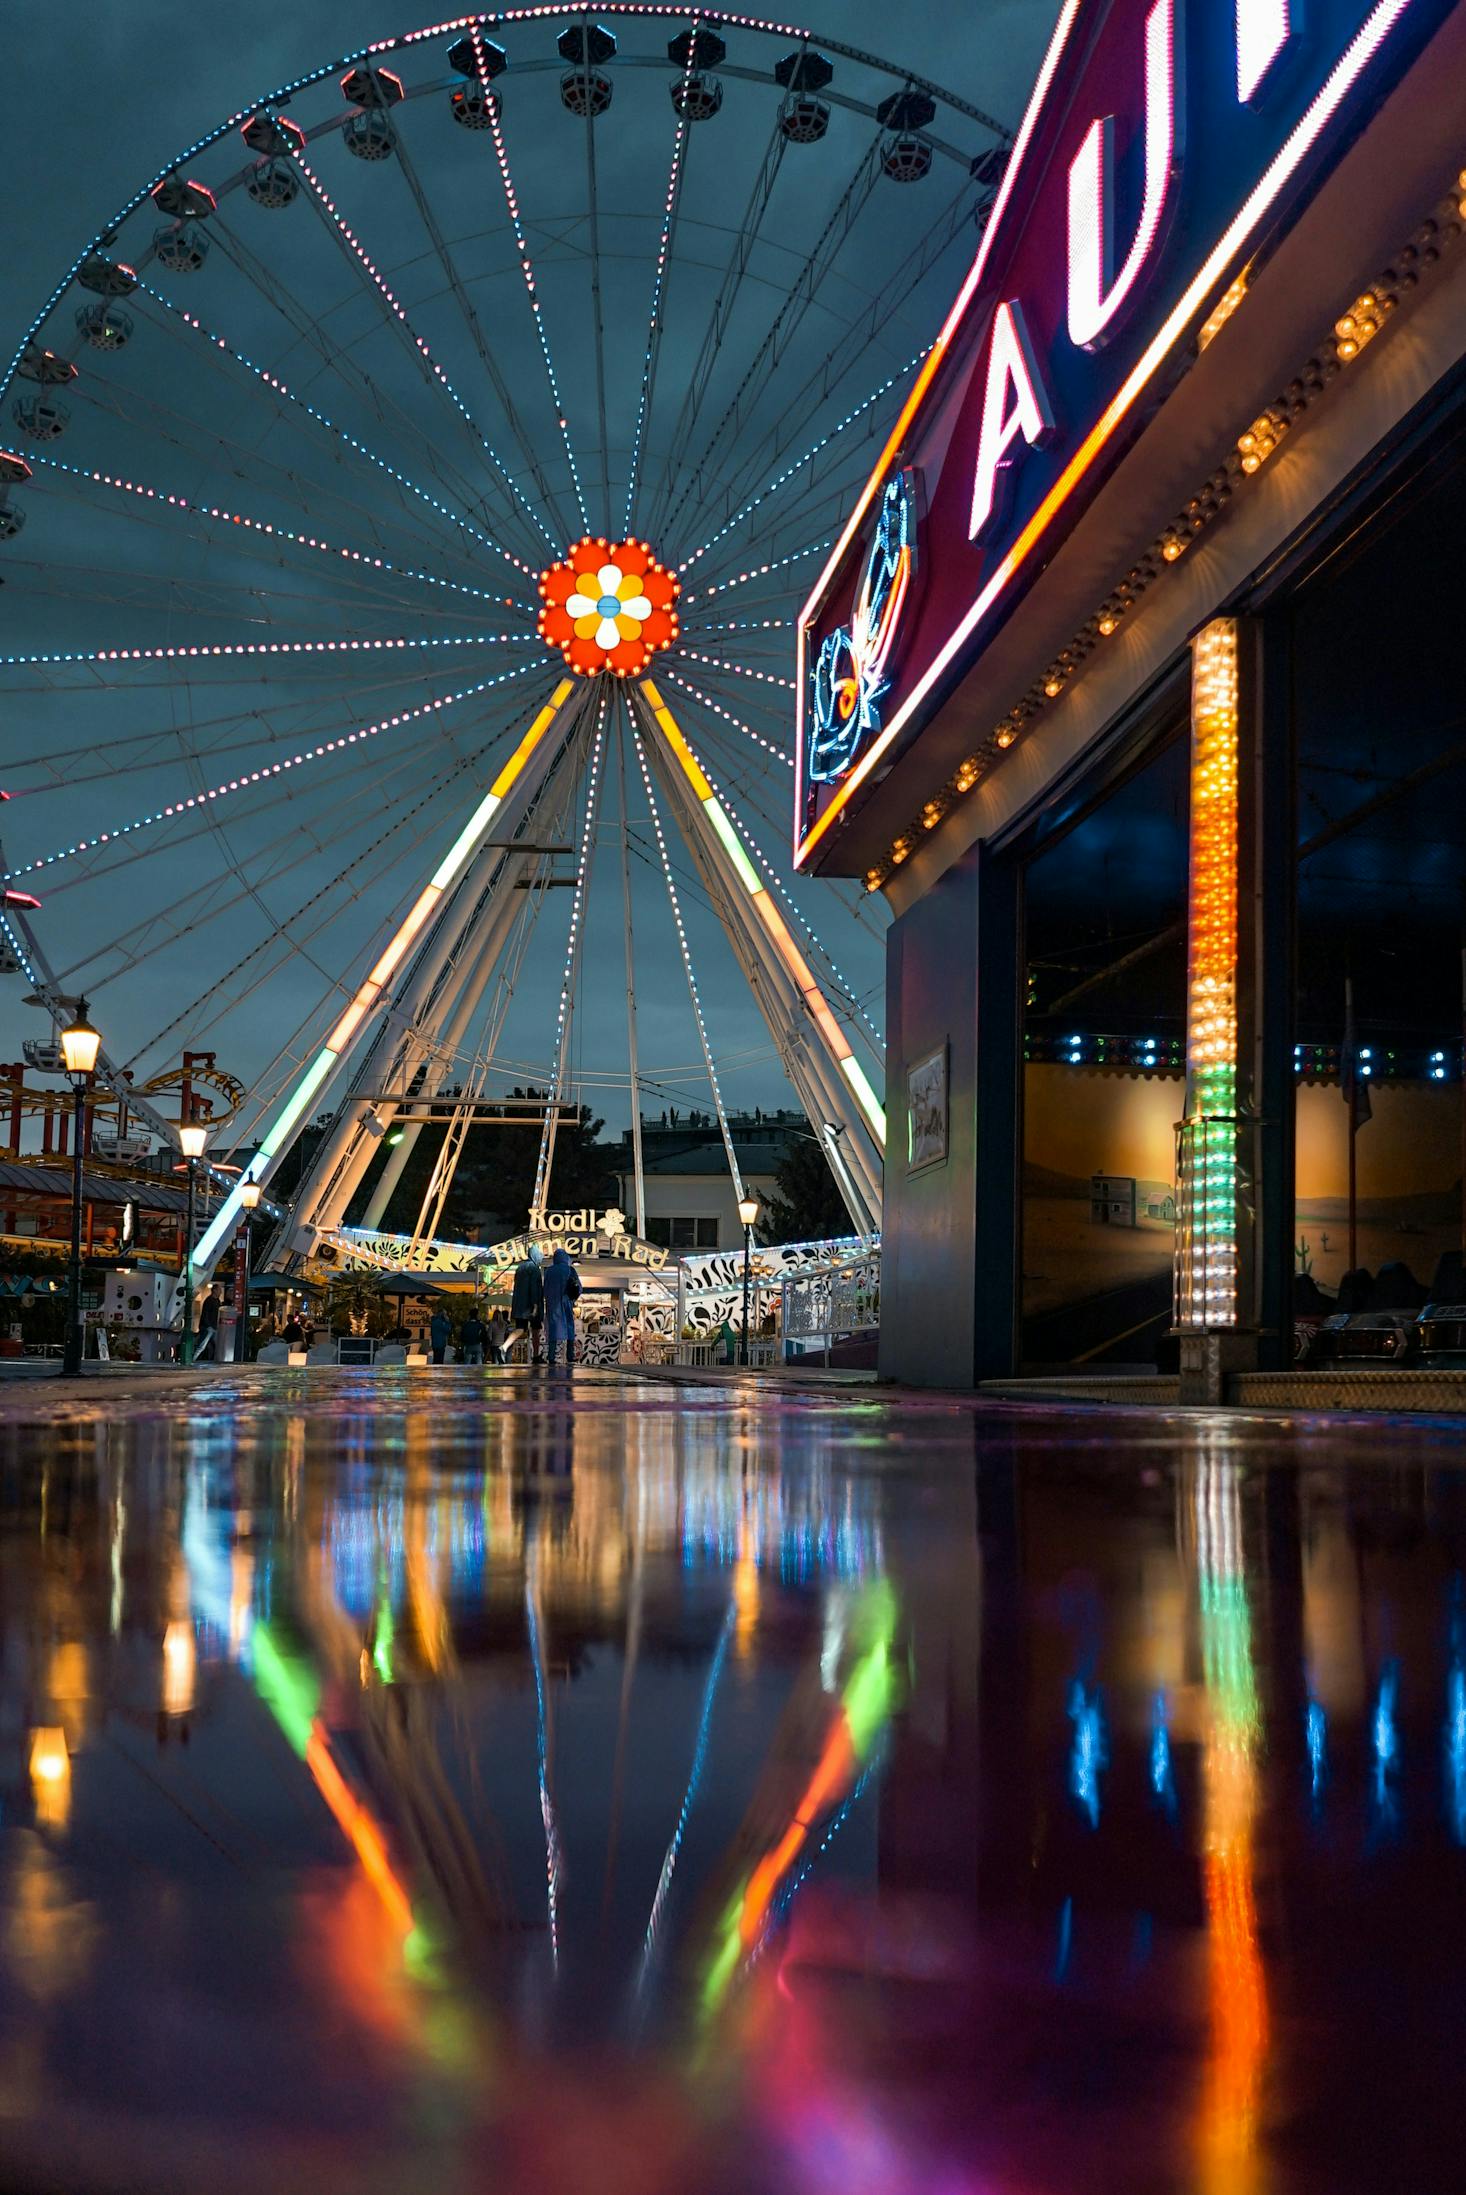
(1166, 144)
(849, 675)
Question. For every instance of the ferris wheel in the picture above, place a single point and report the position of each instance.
(405, 502)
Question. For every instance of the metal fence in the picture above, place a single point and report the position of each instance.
(831, 1303)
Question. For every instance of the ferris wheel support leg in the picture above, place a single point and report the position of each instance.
(707, 813)
(506, 799)
(419, 1013)
(834, 1120)
(638, 1172)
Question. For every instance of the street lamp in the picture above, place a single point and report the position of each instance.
(80, 1044)
(748, 1211)
(250, 1193)
(193, 1137)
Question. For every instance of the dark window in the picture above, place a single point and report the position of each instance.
(707, 1234)
(659, 1231)
(683, 1234)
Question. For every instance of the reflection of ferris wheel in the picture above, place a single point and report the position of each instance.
(403, 515)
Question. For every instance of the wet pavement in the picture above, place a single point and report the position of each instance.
(486, 1783)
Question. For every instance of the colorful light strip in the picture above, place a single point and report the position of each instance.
(1202, 286)
(273, 769)
(796, 966)
(443, 878)
(1207, 1191)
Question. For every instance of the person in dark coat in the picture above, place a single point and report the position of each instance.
(471, 1338)
(208, 1341)
(562, 1286)
(438, 1333)
(527, 1307)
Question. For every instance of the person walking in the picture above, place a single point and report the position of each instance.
(562, 1287)
(527, 1306)
(471, 1338)
(208, 1341)
(438, 1333)
(498, 1334)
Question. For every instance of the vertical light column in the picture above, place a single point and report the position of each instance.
(1207, 1184)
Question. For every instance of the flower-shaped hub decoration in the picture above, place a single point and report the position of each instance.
(608, 606)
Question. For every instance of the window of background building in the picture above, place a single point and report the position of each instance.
(683, 1233)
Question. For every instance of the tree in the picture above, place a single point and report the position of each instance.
(496, 1170)
(808, 1206)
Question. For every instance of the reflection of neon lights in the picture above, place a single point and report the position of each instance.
(1089, 1752)
(795, 964)
(1385, 1736)
(542, 1752)
(1456, 1751)
(699, 1755)
(1238, 1995)
(443, 878)
(1316, 1736)
(864, 1710)
(291, 1693)
(1162, 1779)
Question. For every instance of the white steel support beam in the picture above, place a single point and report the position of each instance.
(505, 802)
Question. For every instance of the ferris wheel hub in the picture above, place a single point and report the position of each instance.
(608, 606)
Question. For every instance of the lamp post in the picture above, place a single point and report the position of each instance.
(80, 1045)
(193, 1136)
(250, 1193)
(748, 1211)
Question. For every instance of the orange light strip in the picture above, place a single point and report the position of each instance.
(360, 1829)
(1356, 58)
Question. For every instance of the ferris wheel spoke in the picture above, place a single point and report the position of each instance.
(796, 466)
(796, 302)
(565, 1012)
(264, 656)
(871, 328)
(705, 700)
(685, 949)
(338, 437)
(739, 670)
(287, 934)
(526, 268)
(202, 800)
(659, 283)
(463, 493)
(256, 535)
(746, 237)
(597, 306)
(485, 355)
(360, 260)
(753, 573)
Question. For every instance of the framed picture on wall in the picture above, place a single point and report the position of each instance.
(926, 1111)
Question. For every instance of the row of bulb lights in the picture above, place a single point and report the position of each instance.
(1351, 333)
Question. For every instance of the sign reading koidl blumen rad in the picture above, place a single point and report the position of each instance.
(584, 1234)
(1166, 143)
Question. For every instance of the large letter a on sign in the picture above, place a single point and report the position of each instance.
(1014, 403)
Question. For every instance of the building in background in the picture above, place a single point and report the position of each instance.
(691, 1203)
(1133, 683)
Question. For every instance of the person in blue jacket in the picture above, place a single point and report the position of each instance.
(527, 1308)
(562, 1286)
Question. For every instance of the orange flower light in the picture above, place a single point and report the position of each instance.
(609, 606)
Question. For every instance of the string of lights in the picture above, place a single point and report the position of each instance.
(686, 951)
(273, 769)
(281, 389)
(659, 277)
(565, 1007)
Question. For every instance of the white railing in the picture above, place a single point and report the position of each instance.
(831, 1303)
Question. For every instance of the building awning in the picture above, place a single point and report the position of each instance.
(18, 1178)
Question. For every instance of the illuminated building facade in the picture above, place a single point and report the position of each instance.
(1153, 712)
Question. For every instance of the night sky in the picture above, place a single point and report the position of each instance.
(239, 931)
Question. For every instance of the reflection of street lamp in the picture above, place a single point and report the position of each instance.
(50, 1766)
(748, 1211)
(193, 1136)
(80, 1045)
